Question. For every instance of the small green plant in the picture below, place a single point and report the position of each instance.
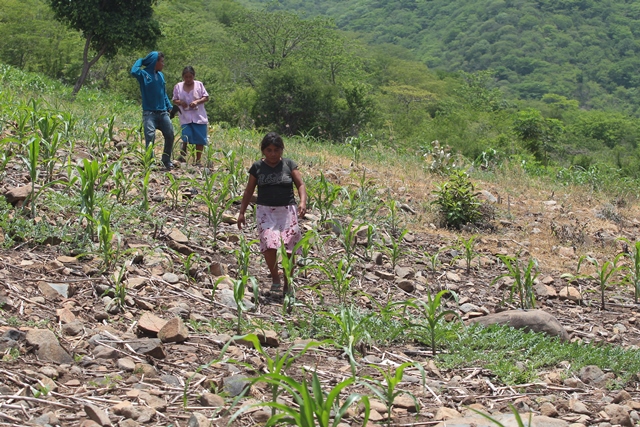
(386, 390)
(605, 275)
(173, 190)
(280, 363)
(90, 178)
(433, 259)
(123, 182)
(217, 200)
(313, 407)
(431, 312)
(353, 332)
(633, 275)
(393, 220)
(395, 248)
(106, 236)
(338, 275)
(468, 251)
(458, 201)
(523, 280)
(322, 196)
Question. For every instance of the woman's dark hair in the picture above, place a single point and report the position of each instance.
(189, 69)
(160, 55)
(272, 138)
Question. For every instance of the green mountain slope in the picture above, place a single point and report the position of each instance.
(582, 49)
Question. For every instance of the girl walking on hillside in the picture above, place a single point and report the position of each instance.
(276, 211)
(190, 95)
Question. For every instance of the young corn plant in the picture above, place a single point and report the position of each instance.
(313, 407)
(433, 259)
(106, 236)
(322, 196)
(386, 389)
(606, 275)
(523, 280)
(431, 313)
(123, 182)
(633, 275)
(338, 276)
(393, 220)
(468, 251)
(243, 254)
(90, 178)
(217, 200)
(173, 190)
(239, 289)
(280, 363)
(353, 332)
(395, 249)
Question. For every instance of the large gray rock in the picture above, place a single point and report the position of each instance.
(529, 320)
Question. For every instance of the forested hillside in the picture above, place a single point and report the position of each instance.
(540, 91)
(582, 49)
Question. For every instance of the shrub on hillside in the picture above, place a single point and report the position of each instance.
(457, 201)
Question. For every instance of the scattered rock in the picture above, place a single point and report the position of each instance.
(174, 331)
(532, 320)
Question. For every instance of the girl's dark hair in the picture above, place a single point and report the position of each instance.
(272, 138)
(189, 69)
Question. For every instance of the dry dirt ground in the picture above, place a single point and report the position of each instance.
(109, 372)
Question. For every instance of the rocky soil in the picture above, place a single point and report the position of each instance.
(73, 356)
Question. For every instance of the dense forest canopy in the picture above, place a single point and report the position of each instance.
(551, 83)
(581, 49)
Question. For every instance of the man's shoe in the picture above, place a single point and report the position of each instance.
(169, 165)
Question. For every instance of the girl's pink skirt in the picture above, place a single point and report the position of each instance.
(276, 224)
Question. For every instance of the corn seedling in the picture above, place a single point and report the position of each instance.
(395, 249)
(90, 178)
(348, 239)
(433, 259)
(523, 280)
(239, 290)
(216, 200)
(190, 263)
(393, 220)
(313, 407)
(338, 276)
(468, 251)
(123, 182)
(432, 312)
(173, 190)
(106, 235)
(605, 274)
(33, 152)
(633, 275)
(353, 332)
(279, 364)
(120, 288)
(386, 389)
(322, 196)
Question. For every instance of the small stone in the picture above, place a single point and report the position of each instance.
(211, 400)
(170, 278)
(174, 331)
(97, 415)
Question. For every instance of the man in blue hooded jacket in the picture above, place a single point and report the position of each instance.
(155, 102)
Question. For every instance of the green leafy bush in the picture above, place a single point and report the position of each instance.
(458, 201)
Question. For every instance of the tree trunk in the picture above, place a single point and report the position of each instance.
(86, 65)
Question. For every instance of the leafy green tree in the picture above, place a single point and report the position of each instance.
(538, 133)
(271, 39)
(108, 26)
(296, 101)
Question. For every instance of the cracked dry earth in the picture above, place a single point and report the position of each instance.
(73, 358)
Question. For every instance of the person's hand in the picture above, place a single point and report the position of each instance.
(193, 104)
(302, 210)
(241, 221)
